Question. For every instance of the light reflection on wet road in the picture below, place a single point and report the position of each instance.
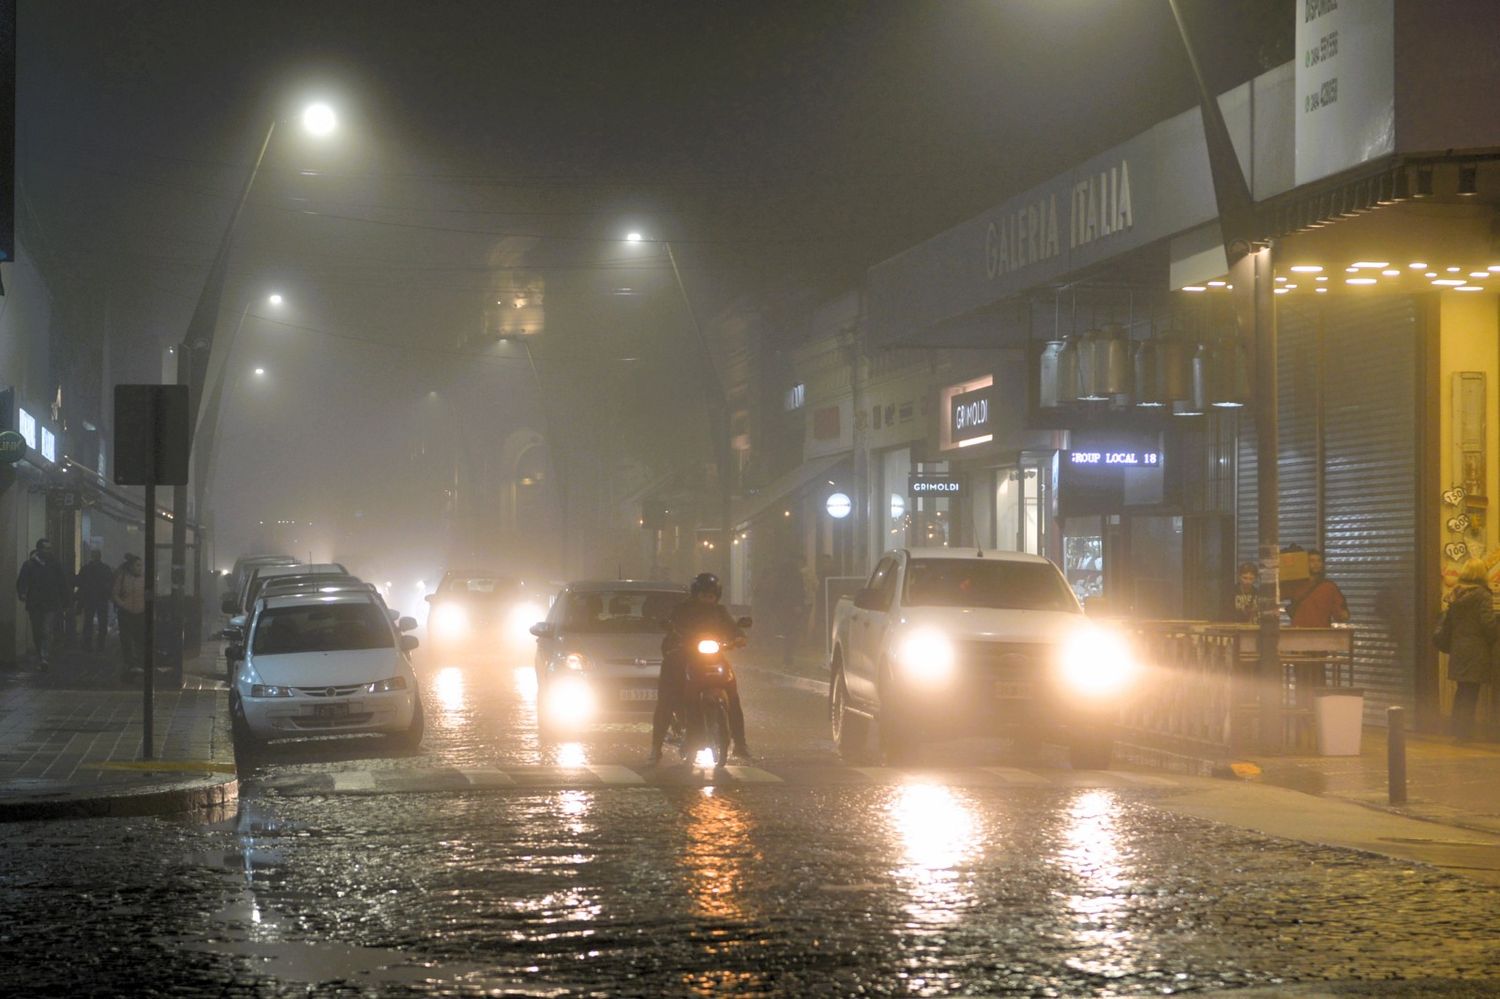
(908, 885)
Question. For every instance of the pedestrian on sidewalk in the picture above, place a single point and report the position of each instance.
(96, 581)
(129, 595)
(43, 589)
(1317, 601)
(1471, 632)
(1243, 606)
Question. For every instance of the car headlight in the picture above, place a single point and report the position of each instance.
(569, 701)
(386, 686)
(708, 647)
(520, 619)
(926, 655)
(269, 690)
(1097, 662)
(450, 621)
(577, 661)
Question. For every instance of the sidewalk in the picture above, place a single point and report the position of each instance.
(1456, 785)
(70, 741)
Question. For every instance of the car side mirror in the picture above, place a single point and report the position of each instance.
(228, 605)
(234, 653)
(868, 599)
(744, 622)
(232, 634)
(541, 629)
(409, 643)
(407, 624)
(238, 621)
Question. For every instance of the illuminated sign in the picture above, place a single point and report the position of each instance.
(970, 415)
(12, 447)
(49, 445)
(933, 485)
(27, 425)
(839, 506)
(1115, 459)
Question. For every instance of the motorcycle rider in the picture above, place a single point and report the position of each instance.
(701, 613)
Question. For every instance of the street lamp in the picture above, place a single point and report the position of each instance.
(318, 120)
(715, 394)
(260, 371)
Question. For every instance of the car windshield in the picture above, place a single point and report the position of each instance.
(617, 612)
(999, 584)
(480, 588)
(321, 627)
(284, 584)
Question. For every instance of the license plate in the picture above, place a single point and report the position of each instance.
(1012, 691)
(330, 710)
(638, 694)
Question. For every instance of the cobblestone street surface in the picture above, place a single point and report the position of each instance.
(493, 863)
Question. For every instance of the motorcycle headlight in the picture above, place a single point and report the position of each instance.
(577, 661)
(450, 621)
(1097, 662)
(926, 655)
(386, 686)
(269, 690)
(708, 647)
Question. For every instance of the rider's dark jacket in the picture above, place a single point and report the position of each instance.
(693, 619)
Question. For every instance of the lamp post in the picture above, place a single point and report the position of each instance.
(192, 369)
(715, 399)
(1252, 277)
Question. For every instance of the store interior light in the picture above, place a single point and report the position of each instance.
(1469, 287)
(1417, 266)
(1431, 274)
(1359, 281)
(1217, 284)
(1371, 265)
(1453, 270)
(1479, 274)
(1321, 277)
(1321, 291)
(1449, 282)
(1307, 268)
(1285, 291)
(1194, 287)
(1391, 273)
(1281, 280)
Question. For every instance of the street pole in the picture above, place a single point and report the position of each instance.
(1251, 277)
(192, 364)
(716, 401)
(148, 682)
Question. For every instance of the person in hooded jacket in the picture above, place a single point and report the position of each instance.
(1472, 629)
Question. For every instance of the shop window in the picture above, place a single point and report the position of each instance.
(906, 412)
(796, 396)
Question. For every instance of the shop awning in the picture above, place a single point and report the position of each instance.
(748, 508)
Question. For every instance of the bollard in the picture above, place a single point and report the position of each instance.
(1395, 752)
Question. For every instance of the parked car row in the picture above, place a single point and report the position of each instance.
(314, 650)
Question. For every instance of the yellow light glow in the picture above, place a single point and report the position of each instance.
(1291, 286)
(1307, 268)
(1449, 282)
(1216, 284)
(1193, 287)
(1351, 270)
(1373, 265)
(1391, 273)
(1283, 291)
(1321, 291)
(449, 687)
(1479, 274)
(1494, 268)
(1321, 277)
(1469, 287)
(1431, 274)
(1359, 281)
(1453, 270)
(1417, 266)
(1281, 280)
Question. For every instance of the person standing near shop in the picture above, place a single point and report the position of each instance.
(1317, 601)
(1468, 630)
(96, 580)
(129, 595)
(43, 589)
(1243, 606)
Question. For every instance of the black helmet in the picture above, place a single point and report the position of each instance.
(706, 582)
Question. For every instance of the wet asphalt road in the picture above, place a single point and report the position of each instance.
(494, 863)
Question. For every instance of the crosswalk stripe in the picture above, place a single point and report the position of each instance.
(353, 780)
(488, 778)
(1013, 775)
(613, 773)
(752, 775)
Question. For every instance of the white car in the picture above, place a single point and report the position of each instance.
(598, 653)
(325, 664)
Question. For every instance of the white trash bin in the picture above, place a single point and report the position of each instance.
(1341, 719)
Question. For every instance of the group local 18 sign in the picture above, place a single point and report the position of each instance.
(1119, 459)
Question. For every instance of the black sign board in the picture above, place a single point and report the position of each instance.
(970, 414)
(932, 485)
(151, 435)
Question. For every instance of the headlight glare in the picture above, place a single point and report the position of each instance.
(450, 621)
(577, 661)
(708, 647)
(1097, 662)
(926, 655)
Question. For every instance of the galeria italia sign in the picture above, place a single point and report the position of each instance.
(1098, 205)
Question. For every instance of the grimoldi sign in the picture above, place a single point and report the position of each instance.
(932, 485)
(1095, 206)
(970, 414)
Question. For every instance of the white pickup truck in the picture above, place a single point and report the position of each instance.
(943, 642)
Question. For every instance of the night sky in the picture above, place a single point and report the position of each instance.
(486, 146)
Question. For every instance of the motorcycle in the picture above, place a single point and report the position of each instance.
(707, 702)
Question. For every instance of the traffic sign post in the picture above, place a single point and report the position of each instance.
(151, 449)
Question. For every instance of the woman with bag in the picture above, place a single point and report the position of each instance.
(1469, 622)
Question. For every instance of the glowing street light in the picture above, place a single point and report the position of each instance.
(319, 119)
(633, 237)
(260, 371)
(275, 299)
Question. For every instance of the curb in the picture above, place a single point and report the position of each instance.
(126, 801)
